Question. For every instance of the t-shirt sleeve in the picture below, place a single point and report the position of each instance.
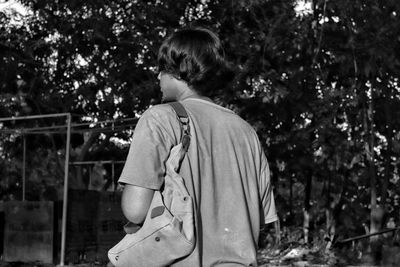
(267, 195)
(148, 152)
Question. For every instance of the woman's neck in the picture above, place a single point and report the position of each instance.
(187, 94)
(196, 96)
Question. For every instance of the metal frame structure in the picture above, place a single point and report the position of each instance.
(67, 131)
(66, 170)
(92, 162)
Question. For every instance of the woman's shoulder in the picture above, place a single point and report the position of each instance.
(159, 116)
(158, 111)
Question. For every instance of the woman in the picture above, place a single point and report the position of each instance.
(225, 169)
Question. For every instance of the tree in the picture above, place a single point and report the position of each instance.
(94, 59)
(319, 86)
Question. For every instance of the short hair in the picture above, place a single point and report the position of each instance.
(196, 56)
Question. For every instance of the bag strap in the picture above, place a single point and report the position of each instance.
(183, 118)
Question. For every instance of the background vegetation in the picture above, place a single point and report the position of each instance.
(318, 79)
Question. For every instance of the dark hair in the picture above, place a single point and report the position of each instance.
(196, 56)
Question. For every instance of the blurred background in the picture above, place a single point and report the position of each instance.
(317, 79)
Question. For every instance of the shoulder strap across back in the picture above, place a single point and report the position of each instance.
(183, 118)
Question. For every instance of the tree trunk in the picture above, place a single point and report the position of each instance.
(333, 209)
(77, 179)
(307, 205)
(328, 214)
(290, 197)
(376, 214)
(389, 137)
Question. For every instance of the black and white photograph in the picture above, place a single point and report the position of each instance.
(199, 133)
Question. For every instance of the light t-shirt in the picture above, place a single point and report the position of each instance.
(225, 171)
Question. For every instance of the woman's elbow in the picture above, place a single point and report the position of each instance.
(132, 213)
(135, 203)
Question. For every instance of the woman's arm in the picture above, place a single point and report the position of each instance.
(135, 202)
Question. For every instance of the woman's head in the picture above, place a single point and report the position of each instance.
(195, 55)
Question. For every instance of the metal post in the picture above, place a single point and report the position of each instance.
(90, 178)
(35, 117)
(65, 199)
(24, 168)
(113, 176)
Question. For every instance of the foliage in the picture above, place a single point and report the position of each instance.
(319, 86)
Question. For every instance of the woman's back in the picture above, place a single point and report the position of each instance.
(222, 171)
